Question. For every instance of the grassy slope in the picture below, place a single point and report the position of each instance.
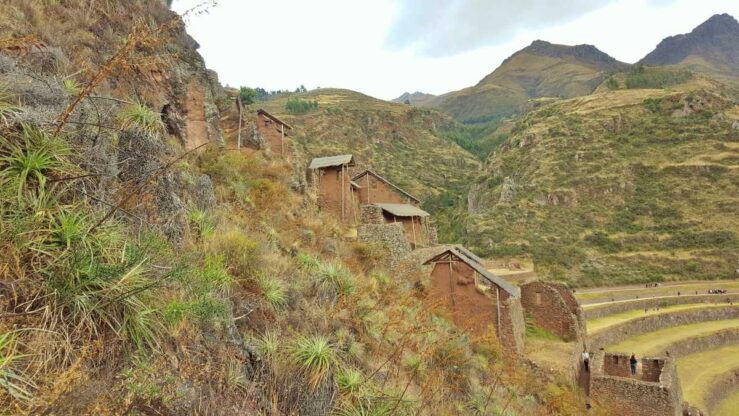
(698, 371)
(612, 188)
(402, 143)
(728, 406)
(654, 342)
(599, 324)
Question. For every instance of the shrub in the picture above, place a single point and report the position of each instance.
(71, 86)
(315, 356)
(300, 106)
(240, 252)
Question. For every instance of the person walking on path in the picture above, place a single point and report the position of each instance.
(586, 361)
(633, 362)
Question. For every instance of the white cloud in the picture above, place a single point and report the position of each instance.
(338, 43)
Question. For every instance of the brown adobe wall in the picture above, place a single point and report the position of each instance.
(654, 392)
(455, 292)
(554, 308)
(270, 131)
(375, 191)
(652, 303)
(330, 183)
(413, 229)
(620, 332)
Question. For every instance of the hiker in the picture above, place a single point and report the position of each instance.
(678, 293)
(633, 362)
(586, 361)
(645, 310)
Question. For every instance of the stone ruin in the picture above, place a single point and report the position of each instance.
(653, 391)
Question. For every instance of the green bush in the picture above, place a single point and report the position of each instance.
(300, 106)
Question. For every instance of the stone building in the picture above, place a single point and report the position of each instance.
(475, 299)
(275, 133)
(413, 219)
(553, 307)
(653, 391)
(372, 188)
(329, 176)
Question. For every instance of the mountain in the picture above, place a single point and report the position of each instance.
(417, 98)
(539, 70)
(711, 47)
(396, 140)
(624, 185)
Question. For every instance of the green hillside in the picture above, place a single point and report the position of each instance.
(540, 70)
(625, 185)
(408, 145)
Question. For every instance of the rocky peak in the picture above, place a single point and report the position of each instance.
(587, 54)
(716, 40)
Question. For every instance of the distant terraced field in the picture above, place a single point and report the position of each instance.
(599, 324)
(593, 297)
(698, 372)
(654, 343)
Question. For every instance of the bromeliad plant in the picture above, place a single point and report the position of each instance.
(315, 356)
(30, 158)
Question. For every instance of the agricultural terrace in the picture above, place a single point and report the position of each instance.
(699, 371)
(655, 343)
(599, 324)
(592, 297)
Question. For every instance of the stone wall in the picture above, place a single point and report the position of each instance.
(370, 214)
(512, 324)
(706, 342)
(654, 392)
(652, 303)
(634, 327)
(554, 308)
(389, 235)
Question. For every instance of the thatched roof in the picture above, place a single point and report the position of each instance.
(403, 210)
(459, 253)
(328, 161)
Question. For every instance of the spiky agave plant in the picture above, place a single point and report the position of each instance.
(349, 381)
(33, 158)
(273, 291)
(315, 356)
(140, 116)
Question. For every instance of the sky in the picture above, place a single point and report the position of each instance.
(386, 47)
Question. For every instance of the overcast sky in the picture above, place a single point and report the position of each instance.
(386, 47)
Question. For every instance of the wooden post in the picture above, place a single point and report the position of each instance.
(368, 187)
(239, 106)
(497, 305)
(413, 228)
(342, 192)
(282, 139)
(451, 282)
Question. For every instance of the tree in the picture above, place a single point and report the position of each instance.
(248, 95)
